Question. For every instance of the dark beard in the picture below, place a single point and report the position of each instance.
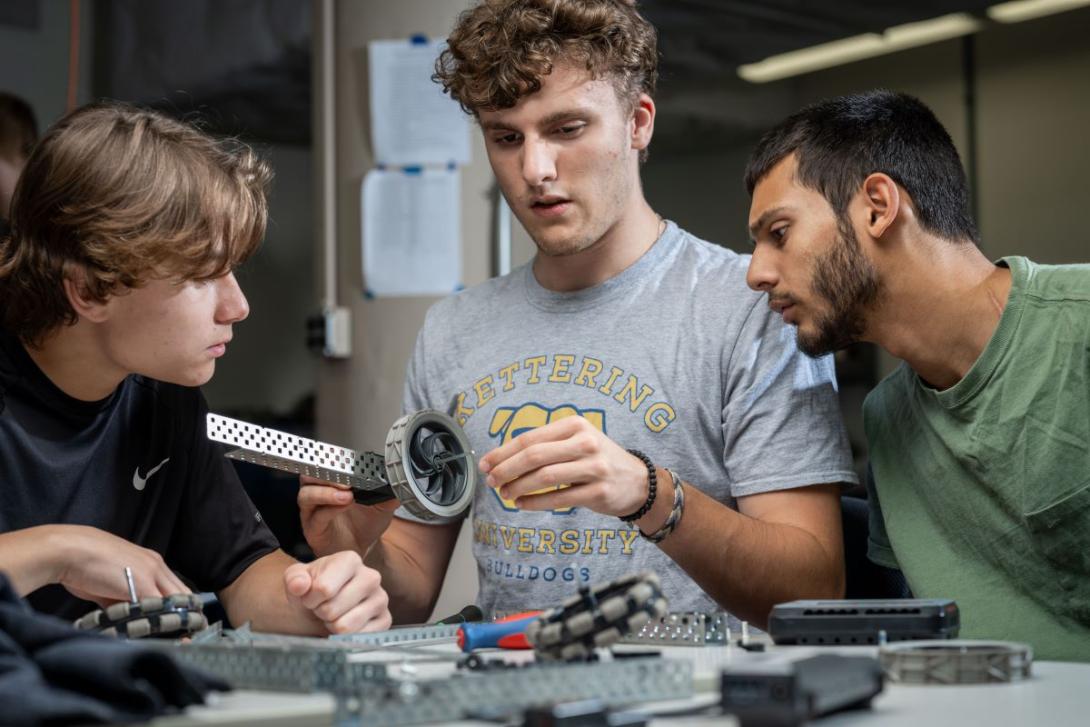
(848, 282)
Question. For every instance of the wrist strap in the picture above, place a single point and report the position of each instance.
(652, 485)
(675, 515)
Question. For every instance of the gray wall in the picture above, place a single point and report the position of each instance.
(34, 61)
(1033, 113)
(268, 368)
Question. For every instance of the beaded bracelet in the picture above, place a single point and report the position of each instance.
(675, 515)
(652, 486)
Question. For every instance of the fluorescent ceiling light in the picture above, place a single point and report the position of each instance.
(1016, 12)
(860, 47)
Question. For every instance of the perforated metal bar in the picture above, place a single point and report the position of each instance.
(505, 692)
(298, 455)
(281, 668)
(683, 629)
(415, 636)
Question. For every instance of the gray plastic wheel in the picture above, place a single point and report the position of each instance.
(430, 465)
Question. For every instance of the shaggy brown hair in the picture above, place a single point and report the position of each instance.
(500, 49)
(116, 196)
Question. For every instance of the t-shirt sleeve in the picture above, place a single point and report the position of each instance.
(413, 397)
(220, 533)
(781, 417)
(416, 397)
(879, 549)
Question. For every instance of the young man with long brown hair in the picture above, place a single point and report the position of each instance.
(117, 296)
(625, 332)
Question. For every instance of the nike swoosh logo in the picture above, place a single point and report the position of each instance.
(138, 482)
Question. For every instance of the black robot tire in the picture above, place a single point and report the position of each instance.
(598, 617)
(460, 465)
(170, 617)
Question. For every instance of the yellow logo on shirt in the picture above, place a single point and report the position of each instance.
(509, 422)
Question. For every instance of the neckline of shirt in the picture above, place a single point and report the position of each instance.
(580, 300)
(37, 381)
(985, 365)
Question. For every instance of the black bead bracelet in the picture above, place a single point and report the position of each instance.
(652, 485)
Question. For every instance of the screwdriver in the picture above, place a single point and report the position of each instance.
(507, 633)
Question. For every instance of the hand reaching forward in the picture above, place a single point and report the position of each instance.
(93, 562)
(332, 521)
(589, 468)
(341, 592)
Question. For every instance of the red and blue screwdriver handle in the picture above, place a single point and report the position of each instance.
(508, 633)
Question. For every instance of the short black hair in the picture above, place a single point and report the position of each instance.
(841, 141)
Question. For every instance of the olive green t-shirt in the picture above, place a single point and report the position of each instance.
(984, 488)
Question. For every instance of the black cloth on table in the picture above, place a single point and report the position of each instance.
(52, 674)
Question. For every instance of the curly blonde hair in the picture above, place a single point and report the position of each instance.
(125, 195)
(501, 49)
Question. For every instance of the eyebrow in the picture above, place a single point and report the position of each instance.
(553, 118)
(764, 219)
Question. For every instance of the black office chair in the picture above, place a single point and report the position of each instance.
(865, 579)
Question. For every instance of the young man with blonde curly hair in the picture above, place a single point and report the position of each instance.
(626, 351)
(117, 295)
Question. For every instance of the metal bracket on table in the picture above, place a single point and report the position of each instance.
(500, 693)
(683, 629)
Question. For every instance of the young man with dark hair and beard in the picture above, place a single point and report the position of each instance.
(117, 296)
(980, 441)
(624, 333)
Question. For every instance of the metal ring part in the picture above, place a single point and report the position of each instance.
(430, 465)
(958, 661)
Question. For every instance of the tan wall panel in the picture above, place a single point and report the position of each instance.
(1034, 111)
(359, 398)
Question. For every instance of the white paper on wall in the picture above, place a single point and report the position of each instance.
(412, 121)
(412, 240)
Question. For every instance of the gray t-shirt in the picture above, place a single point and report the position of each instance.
(675, 356)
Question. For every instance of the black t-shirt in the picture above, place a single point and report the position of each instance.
(136, 464)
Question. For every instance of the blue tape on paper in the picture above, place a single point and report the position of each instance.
(418, 39)
(413, 170)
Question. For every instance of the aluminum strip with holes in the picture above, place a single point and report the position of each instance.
(682, 629)
(298, 455)
(414, 636)
(281, 669)
(499, 693)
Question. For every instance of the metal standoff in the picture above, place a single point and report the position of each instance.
(131, 584)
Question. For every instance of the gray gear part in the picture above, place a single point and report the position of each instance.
(405, 487)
